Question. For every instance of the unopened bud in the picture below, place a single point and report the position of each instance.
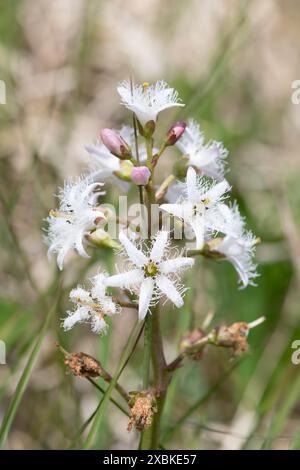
(174, 133)
(115, 144)
(140, 175)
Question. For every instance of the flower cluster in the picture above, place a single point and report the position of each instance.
(151, 268)
(91, 306)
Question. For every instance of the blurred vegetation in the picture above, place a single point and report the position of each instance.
(233, 63)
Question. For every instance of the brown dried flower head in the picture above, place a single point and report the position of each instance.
(143, 407)
(234, 337)
(83, 365)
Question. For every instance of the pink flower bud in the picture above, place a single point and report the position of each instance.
(140, 175)
(115, 144)
(175, 132)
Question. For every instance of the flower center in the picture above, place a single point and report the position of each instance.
(151, 269)
(202, 206)
(93, 304)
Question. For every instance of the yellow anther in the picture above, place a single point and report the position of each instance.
(65, 215)
(206, 201)
(146, 85)
(54, 213)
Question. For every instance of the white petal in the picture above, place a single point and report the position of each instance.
(79, 246)
(175, 265)
(79, 293)
(78, 316)
(98, 324)
(125, 280)
(198, 229)
(145, 297)
(135, 255)
(218, 190)
(191, 185)
(61, 257)
(167, 287)
(207, 156)
(159, 246)
(98, 289)
(240, 270)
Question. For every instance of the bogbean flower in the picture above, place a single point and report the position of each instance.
(201, 207)
(240, 252)
(210, 158)
(238, 246)
(147, 101)
(91, 306)
(105, 164)
(151, 273)
(77, 214)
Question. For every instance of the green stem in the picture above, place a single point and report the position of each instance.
(153, 339)
(147, 351)
(161, 377)
(149, 149)
(156, 425)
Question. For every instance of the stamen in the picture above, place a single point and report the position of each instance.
(145, 86)
(64, 215)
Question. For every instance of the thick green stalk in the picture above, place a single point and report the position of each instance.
(156, 425)
(161, 377)
(147, 351)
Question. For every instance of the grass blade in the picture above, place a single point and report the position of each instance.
(23, 382)
(169, 433)
(126, 354)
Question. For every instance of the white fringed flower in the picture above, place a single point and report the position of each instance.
(104, 164)
(147, 101)
(77, 214)
(91, 306)
(240, 252)
(151, 273)
(238, 245)
(208, 158)
(201, 207)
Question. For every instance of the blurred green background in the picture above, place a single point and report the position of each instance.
(233, 63)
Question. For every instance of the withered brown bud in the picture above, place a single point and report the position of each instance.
(189, 344)
(84, 365)
(234, 337)
(143, 407)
